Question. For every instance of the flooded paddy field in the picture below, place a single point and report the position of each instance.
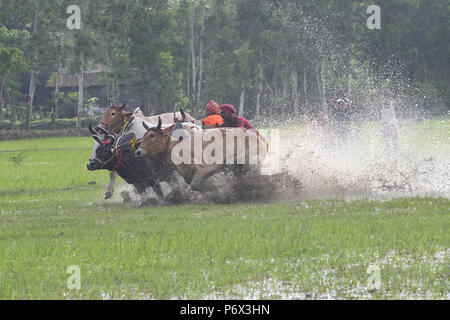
(359, 226)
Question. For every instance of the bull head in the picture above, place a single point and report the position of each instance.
(144, 144)
(146, 127)
(98, 130)
(92, 130)
(95, 134)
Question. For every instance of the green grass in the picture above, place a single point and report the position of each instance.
(48, 143)
(50, 164)
(52, 219)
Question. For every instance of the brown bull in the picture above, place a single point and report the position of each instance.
(198, 154)
(115, 117)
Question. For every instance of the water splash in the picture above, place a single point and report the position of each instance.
(364, 170)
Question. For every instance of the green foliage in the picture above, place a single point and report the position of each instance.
(45, 124)
(146, 45)
(93, 101)
(12, 43)
(243, 58)
(17, 159)
(68, 105)
(12, 57)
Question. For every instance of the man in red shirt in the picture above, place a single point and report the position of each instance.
(230, 119)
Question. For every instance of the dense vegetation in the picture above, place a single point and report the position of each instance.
(265, 57)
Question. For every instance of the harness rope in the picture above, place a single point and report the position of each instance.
(103, 163)
(117, 147)
(118, 162)
(118, 150)
(126, 125)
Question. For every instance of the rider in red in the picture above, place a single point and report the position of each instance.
(230, 119)
(213, 118)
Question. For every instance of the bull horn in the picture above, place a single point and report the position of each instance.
(97, 139)
(92, 130)
(109, 102)
(124, 105)
(182, 113)
(145, 126)
(101, 130)
(159, 123)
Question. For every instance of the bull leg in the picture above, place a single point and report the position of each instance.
(112, 179)
(126, 196)
(199, 182)
(179, 186)
(157, 188)
(175, 191)
(149, 197)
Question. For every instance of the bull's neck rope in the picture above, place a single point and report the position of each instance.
(131, 142)
(126, 125)
(117, 147)
(103, 163)
(118, 150)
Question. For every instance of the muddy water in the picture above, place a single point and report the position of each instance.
(364, 170)
(311, 165)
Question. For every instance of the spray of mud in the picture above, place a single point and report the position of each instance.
(362, 170)
(312, 167)
(312, 164)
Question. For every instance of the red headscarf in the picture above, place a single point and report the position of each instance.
(213, 107)
(228, 107)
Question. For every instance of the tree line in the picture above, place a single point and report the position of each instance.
(265, 57)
